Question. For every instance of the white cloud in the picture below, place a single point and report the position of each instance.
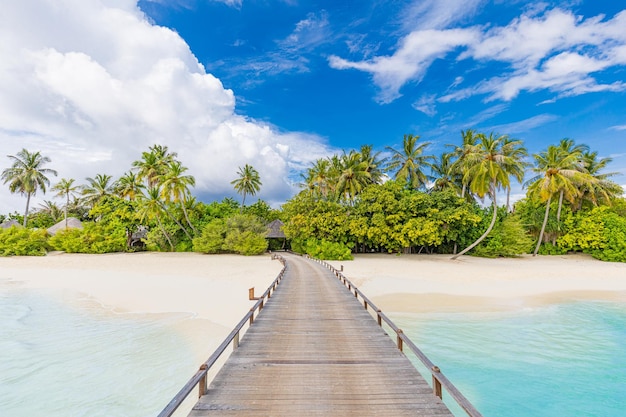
(92, 84)
(426, 104)
(552, 50)
(621, 127)
(415, 54)
(437, 14)
(524, 125)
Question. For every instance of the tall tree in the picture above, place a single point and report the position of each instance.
(516, 155)
(153, 164)
(176, 187)
(409, 162)
(468, 146)
(566, 147)
(601, 189)
(487, 170)
(128, 186)
(65, 188)
(557, 174)
(445, 177)
(249, 182)
(151, 209)
(96, 188)
(354, 176)
(27, 175)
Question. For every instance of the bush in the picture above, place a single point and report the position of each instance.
(508, 238)
(324, 249)
(20, 241)
(93, 238)
(211, 240)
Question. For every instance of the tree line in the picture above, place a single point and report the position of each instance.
(402, 199)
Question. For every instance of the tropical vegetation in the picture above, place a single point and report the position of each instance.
(401, 200)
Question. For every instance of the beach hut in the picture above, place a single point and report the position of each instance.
(275, 235)
(72, 223)
(10, 223)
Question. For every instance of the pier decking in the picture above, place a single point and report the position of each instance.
(315, 351)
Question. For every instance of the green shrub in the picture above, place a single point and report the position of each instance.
(324, 249)
(245, 243)
(508, 238)
(20, 241)
(93, 238)
(211, 240)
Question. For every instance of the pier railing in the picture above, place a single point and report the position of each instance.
(439, 380)
(200, 377)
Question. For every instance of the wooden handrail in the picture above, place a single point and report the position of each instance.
(439, 379)
(200, 377)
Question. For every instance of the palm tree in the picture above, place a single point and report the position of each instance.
(601, 189)
(318, 178)
(248, 182)
(410, 161)
(516, 153)
(65, 188)
(176, 187)
(51, 209)
(27, 175)
(567, 146)
(97, 188)
(153, 164)
(373, 163)
(151, 208)
(445, 176)
(354, 176)
(128, 186)
(558, 174)
(469, 145)
(487, 170)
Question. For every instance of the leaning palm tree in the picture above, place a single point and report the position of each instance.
(409, 162)
(249, 182)
(487, 170)
(27, 175)
(557, 175)
(65, 188)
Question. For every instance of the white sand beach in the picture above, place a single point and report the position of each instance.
(435, 283)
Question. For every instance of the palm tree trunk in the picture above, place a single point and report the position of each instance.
(243, 203)
(182, 203)
(493, 222)
(67, 203)
(171, 216)
(558, 211)
(26, 212)
(508, 199)
(543, 226)
(167, 237)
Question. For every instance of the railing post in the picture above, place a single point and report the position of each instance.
(251, 316)
(380, 319)
(202, 386)
(365, 304)
(399, 332)
(236, 341)
(436, 383)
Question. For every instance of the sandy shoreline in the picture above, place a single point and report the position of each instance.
(212, 291)
(435, 283)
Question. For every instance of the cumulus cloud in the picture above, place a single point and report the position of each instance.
(92, 84)
(542, 49)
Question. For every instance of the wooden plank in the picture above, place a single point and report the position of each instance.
(315, 351)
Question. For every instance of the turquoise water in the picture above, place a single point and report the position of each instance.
(559, 360)
(59, 361)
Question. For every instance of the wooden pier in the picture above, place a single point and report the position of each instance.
(314, 350)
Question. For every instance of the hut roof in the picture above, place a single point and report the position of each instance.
(275, 230)
(72, 223)
(10, 223)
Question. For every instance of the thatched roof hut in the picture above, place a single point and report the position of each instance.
(10, 223)
(275, 230)
(72, 223)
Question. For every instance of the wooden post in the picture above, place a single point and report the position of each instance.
(252, 316)
(341, 268)
(436, 383)
(251, 294)
(399, 332)
(261, 305)
(356, 293)
(380, 319)
(236, 341)
(202, 386)
(365, 304)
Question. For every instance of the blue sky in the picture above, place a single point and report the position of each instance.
(280, 83)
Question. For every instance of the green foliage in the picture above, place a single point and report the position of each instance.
(323, 249)
(20, 241)
(241, 233)
(100, 237)
(211, 240)
(262, 210)
(550, 249)
(600, 232)
(508, 238)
